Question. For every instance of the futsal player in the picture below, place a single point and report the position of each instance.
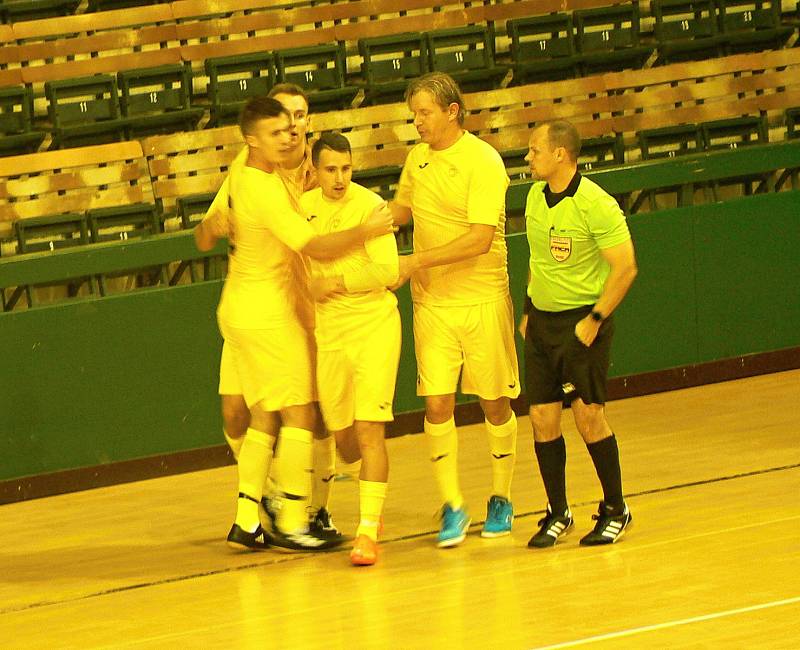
(454, 185)
(357, 332)
(258, 318)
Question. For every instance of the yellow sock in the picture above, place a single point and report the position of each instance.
(234, 443)
(254, 460)
(503, 446)
(372, 494)
(295, 479)
(324, 453)
(443, 441)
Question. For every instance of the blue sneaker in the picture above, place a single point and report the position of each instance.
(454, 526)
(499, 515)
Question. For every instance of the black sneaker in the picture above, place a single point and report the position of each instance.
(270, 507)
(241, 540)
(321, 525)
(609, 527)
(302, 541)
(552, 527)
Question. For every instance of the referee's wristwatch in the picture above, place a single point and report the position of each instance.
(597, 317)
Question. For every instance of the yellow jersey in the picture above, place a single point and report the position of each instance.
(447, 191)
(261, 286)
(366, 271)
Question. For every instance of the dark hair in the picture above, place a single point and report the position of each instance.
(288, 89)
(443, 88)
(259, 108)
(561, 133)
(332, 141)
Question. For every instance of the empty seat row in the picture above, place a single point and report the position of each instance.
(12, 11)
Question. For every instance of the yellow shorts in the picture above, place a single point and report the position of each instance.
(476, 341)
(356, 382)
(273, 368)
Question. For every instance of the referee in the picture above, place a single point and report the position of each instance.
(582, 265)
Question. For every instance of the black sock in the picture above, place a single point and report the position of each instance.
(605, 456)
(552, 457)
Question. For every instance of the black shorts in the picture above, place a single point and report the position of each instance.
(558, 366)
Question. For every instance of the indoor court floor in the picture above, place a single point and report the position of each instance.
(712, 559)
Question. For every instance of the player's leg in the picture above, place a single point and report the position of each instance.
(374, 377)
(235, 414)
(589, 368)
(544, 386)
(255, 456)
(324, 472)
(491, 372)
(439, 360)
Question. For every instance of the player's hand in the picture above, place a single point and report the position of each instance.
(523, 325)
(405, 268)
(586, 330)
(379, 222)
(321, 288)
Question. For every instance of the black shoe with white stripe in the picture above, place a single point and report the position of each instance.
(610, 526)
(552, 527)
(241, 540)
(321, 524)
(302, 540)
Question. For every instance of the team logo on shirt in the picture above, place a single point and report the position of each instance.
(560, 247)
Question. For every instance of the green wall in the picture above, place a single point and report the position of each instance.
(132, 375)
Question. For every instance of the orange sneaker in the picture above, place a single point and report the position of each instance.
(365, 551)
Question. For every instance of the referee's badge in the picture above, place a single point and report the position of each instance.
(560, 247)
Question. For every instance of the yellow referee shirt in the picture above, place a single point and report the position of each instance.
(447, 191)
(366, 271)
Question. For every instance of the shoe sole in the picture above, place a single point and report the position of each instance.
(486, 534)
(236, 546)
(363, 561)
(454, 541)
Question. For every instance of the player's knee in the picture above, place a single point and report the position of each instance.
(590, 421)
(235, 419)
(497, 411)
(440, 408)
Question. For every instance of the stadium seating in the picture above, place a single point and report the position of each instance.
(607, 38)
(388, 63)
(686, 30)
(542, 48)
(16, 128)
(232, 80)
(157, 100)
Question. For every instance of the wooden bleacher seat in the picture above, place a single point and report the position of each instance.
(72, 180)
(686, 30)
(16, 127)
(157, 100)
(84, 111)
(232, 80)
(607, 38)
(542, 48)
(95, 43)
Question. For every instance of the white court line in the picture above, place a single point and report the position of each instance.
(668, 624)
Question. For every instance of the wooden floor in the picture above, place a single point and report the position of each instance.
(712, 475)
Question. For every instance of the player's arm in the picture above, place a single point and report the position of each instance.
(523, 321)
(622, 260)
(214, 225)
(401, 214)
(380, 272)
(336, 244)
(476, 241)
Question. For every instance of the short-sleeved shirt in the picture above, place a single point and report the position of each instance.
(447, 191)
(566, 266)
(349, 316)
(261, 286)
